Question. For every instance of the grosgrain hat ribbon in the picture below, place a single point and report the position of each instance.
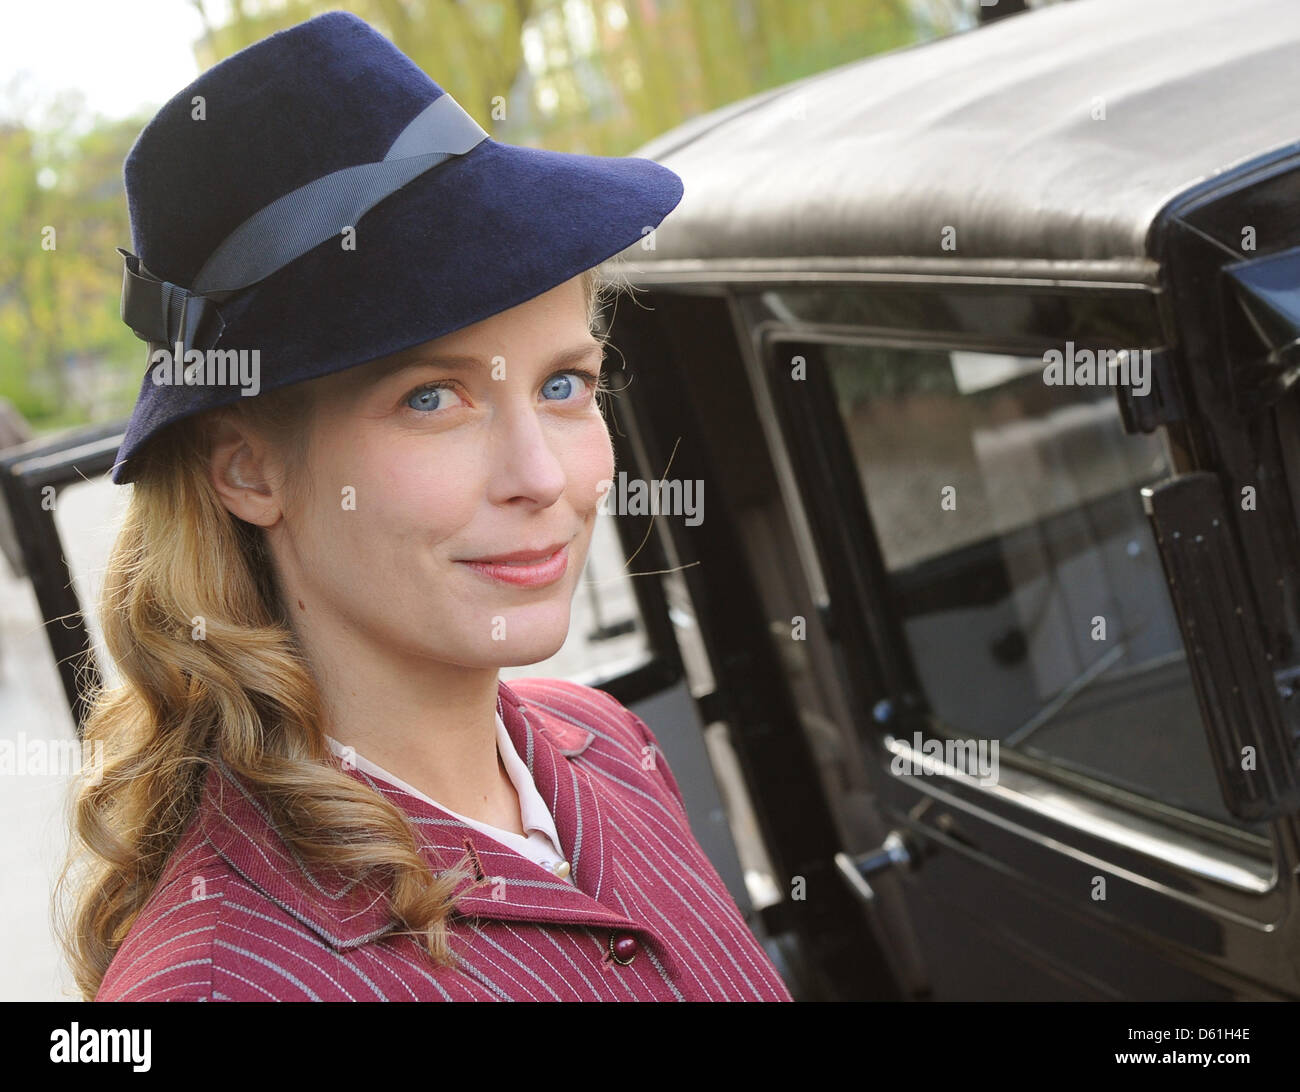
(187, 318)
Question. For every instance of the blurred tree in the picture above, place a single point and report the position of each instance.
(24, 354)
(61, 213)
(473, 46)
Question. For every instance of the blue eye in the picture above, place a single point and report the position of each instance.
(558, 387)
(562, 388)
(432, 398)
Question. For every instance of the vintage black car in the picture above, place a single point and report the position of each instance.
(977, 662)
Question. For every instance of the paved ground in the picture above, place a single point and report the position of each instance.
(33, 831)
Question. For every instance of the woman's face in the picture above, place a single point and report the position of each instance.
(428, 469)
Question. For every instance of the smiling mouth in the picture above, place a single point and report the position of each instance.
(524, 568)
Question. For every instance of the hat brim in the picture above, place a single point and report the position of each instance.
(478, 235)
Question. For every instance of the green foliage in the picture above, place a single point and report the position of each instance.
(63, 348)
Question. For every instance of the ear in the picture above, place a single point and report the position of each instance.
(242, 468)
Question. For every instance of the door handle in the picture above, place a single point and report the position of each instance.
(896, 851)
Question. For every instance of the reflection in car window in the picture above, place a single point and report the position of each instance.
(1000, 590)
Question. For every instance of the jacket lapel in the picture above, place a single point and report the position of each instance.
(519, 889)
(347, 914)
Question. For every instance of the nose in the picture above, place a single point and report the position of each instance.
(525, 467)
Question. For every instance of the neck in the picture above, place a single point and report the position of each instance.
(431, 724)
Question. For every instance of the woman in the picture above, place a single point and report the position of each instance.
(316, 785)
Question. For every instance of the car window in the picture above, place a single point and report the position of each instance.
(1021, 564)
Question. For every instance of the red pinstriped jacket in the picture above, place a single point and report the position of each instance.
(235, 917)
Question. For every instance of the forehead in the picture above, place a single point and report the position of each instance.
(553, 327)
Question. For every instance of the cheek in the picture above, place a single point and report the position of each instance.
(589, 461)
(382, 499)
(428, 494)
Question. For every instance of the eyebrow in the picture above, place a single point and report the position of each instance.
(459, 362)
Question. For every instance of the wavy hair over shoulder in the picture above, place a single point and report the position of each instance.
(244, 694)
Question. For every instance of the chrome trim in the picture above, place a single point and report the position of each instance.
(851, 875)
(1100, 820)
(1118, 275)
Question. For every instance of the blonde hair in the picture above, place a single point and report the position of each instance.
(244, 695)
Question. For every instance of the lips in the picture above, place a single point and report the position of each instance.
(518, 557)
(524, 568)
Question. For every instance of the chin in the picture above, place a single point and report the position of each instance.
(513, 654)
(526, 643)
(527, 659)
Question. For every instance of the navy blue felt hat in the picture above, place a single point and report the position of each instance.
(242, 189)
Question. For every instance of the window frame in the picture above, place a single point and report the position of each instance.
(822, 460)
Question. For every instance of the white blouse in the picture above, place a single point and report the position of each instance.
(542, 843)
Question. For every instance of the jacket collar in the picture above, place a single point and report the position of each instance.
(346, 914)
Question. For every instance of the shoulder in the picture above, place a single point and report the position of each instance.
(167, 954)
(208, 934)
(619, 736)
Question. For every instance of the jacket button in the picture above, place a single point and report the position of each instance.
(623, 947)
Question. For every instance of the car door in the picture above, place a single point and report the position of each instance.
(948, 561)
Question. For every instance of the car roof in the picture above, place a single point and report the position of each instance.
(991, 131)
